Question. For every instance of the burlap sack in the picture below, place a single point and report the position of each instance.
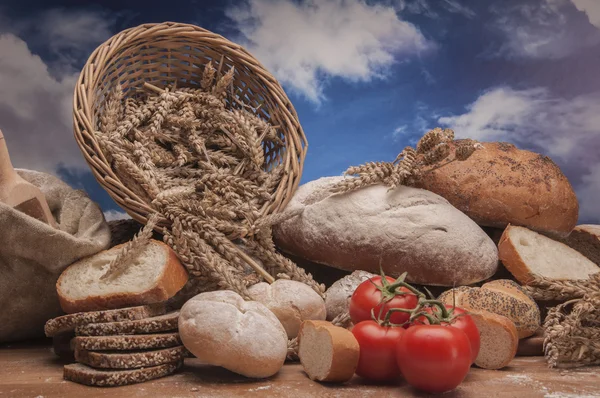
(33, 254)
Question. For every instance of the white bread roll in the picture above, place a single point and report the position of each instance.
(292, 302)
(222, 329)
(337, 297)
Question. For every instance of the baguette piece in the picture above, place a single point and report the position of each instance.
(128, 342)
(69, 322)
(527, 254)
(328, 353)
(162, 323)
(130, 360)
(83, 374)
(499, 339)
(154, 275)
(586, 240)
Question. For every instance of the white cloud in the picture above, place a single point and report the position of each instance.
(564, 129)
(424, 7)
(544, 29)
(305, 43)
(591, 8)
(36, 101)
(113, 215)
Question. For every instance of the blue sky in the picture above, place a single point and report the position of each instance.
(367, 78)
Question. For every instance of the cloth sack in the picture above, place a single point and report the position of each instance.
(33, 254)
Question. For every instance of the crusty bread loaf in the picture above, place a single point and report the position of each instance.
(220, 328)
(502, 297)
(499, 339)
(130, 360)
(126, 342)
(83, 374)
(526, 253)
(337, 297)
(69, 322)
(153, 276)
(586, 240)
(291, 301)
(328, 353)
(162, 323)
(405, 229)
(500, 185)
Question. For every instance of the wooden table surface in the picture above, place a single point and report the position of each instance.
(32, 370)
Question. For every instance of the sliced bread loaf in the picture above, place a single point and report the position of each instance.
(527, 254)
(153, 276)
(69, 322)
(499, 339)
(83, 374)
(162, 323)
(128, 342)
(130, 360)
(327, 352)
(586, 240)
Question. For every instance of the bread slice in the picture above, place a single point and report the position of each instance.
(499, 339)
(162, 323)
(505, 297)
(586, 240)
(128, 342)
(83, 374)
(69, 322)
(153, 276)
(327, 352)
(527, 254)
(130, 360)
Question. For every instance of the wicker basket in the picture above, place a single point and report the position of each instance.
(165, 53)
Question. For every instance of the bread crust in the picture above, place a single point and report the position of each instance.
(511, 259)
(173, 278)
(345, 352)
(487, 316)
(586, 240)
(130, 360)
(500, 185)
(83, 374)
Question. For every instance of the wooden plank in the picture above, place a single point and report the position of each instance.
(31, 370)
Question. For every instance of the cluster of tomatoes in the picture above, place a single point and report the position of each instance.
(401, 333)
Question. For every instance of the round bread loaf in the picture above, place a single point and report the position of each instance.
(500, 185)
(405, 229)
(502, 297)
(222, 329)
(292, 302)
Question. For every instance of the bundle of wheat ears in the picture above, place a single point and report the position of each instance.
(571, 329)
(200, 164)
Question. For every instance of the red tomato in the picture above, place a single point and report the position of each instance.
(462, 322)
(434, 358)
(378, 344)
(368, 295)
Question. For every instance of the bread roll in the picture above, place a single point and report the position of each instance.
(406, 229)
(502, 297)
(222, 329)
(292, 303)
(327, 352)
(337, 297)
(500, 185)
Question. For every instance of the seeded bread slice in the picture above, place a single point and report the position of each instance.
(83, 374)
(127, 342)
(69, 322)
(130, 360)
(162, 323)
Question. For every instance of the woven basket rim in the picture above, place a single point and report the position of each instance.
(95, 69)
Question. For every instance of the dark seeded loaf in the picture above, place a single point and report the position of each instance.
(69, 322)
(126, 342)
(110, 378)
(162, 323)
(130, 360)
